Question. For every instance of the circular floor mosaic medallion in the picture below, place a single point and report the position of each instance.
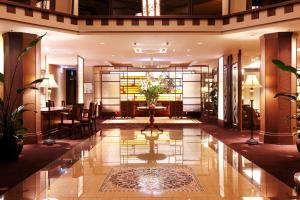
(151, 179)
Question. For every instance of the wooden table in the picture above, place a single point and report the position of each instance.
(151, 111)
(54, 115)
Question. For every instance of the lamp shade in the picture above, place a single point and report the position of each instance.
(49, 81)
(251, 82)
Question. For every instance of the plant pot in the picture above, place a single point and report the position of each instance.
(10, 148)
(298, 144)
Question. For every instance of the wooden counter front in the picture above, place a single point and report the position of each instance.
(129, 109)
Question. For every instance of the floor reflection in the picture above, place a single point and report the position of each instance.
(145, 166)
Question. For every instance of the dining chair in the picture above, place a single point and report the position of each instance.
(87, 121)
(94, 116)
(71, 120)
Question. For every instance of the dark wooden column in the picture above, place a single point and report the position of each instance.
(275, 126)
(28, 71)
(228, 92)
(240, 77)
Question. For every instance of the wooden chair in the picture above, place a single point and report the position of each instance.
(51, 104)
(88, 120)
(63, 103)
(94, 116)
(71, 120)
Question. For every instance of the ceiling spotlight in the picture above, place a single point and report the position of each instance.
(163, 50)
(188, 50)
(188, 55)
(113, 55)
(199, 43)
(138, 50)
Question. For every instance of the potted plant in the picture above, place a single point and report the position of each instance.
(152, 87)
(213, 94)
(11, 129)
(291, 96)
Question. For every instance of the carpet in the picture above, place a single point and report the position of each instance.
(151, 179)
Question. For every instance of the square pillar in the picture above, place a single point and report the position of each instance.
(28, 71)
(276, 128)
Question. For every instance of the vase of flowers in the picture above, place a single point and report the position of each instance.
(152, 87)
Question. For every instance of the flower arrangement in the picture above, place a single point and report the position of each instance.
(152, 87)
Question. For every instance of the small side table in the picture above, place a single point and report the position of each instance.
(151, 111)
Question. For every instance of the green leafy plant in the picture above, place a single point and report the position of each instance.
(152, 87)
(213, 94)
(10, 116)
(290, 96)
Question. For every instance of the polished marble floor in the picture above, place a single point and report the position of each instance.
(176, 164)
(145, 120)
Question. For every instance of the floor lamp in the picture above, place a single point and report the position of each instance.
(49, 83)
(251, 82)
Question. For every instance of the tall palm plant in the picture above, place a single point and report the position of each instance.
(289, 95)
(10, 113)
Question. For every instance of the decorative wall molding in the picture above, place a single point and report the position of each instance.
(51, 19)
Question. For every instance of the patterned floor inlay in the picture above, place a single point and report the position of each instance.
(151, 179)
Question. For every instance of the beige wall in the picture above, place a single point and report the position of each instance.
(58, 94)
(64, 6)
(238, 5)
(225, 5)
(88, 77)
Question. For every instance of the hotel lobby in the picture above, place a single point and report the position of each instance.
(149, 99)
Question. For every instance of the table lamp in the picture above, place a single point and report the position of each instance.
(49, 83)
(251, 82)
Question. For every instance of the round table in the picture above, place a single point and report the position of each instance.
(151, 111)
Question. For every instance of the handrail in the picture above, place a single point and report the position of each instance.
(152, 17)
(277, 5)
(292, 2)
(7, 2)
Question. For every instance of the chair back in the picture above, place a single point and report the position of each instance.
(95, 109)
(91, 110)
(77, 110)
(49, 103)
(63, 103)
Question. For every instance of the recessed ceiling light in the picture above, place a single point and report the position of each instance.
(188, 55)
(199, 43)
(150, 50)
(188, 50)
(101, 43)
(113, 55)
(163, 50)
(137, 50)
(174, 50)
